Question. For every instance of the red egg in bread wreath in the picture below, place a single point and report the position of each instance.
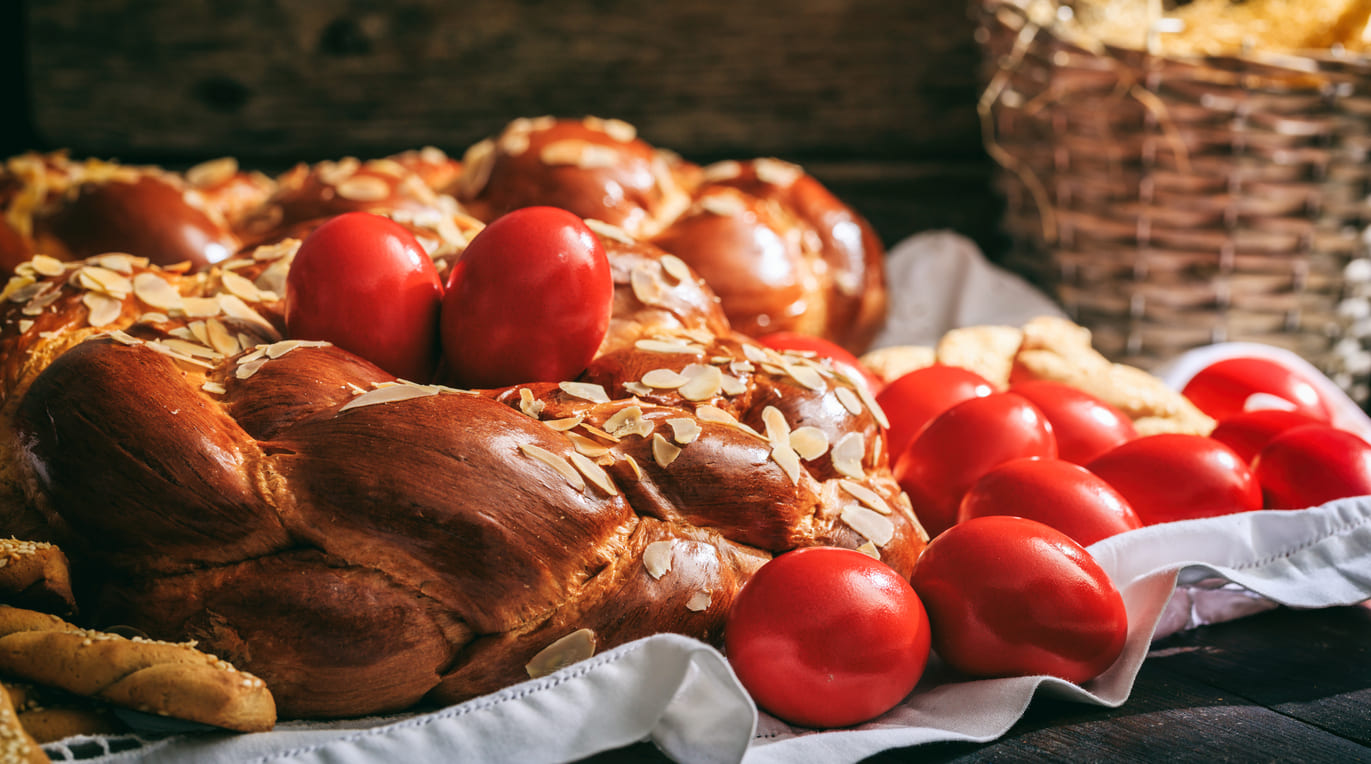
(529, 301)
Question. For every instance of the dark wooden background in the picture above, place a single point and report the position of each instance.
(875, 97)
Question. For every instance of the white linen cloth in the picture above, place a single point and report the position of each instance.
(681, 694)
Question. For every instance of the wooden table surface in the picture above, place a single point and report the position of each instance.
(1284, 685)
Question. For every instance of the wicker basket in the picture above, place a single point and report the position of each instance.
(1169, 203)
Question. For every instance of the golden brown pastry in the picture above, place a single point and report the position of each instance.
(16, 744)
(48, 714)
(363, 544)
(145, 675)
(35, 574)
(1054, 349)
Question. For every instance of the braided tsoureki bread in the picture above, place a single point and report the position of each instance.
(780, 251)
(363, 544)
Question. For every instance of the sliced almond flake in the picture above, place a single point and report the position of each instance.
(700, 335)
(723, 205)
(557, 463)
(708, 413)
(875, 408)
(388, 394)
(788, 460)
(594, 473)
(282, 250)
(777, 429)
(333, 173)
(634, 387)
(240, 287)
(702, 382)
(587, 446)
(633, 467)
(212, 172)
(364, 188)
(725, 170)
(25, 324)
(277, 349)
(776, 369)
(617, 129)
(733, 386)
(777, 172)
(663, 451)
(177, 355)
(741, 367)
(200, 307)
(214, 388)
(100, 279)
(667, 346)
(866, 496)
(878, 528)
(578, 153)
(272, 281)
(684, 430)
(624, 421)
(44, 265)
(869, 549)
(387, 166)
(123, 338)
(529, 405)
(699, 601)
(234, 307)
(597, 432)
(809, 442)
(563, 424)
(850, 400)
(605, 460)
(847, 455)
(586, 391)
(102, 309)
(192, 349)
(195, 330)
(259, 351)
(153, 317)
(657, 558)
(573, 648)
(220, 338)
(676, 268)
(807, 376)
(609, 231)
(46, 296)
(663, 379)
(756, 354)
(235, 264)
(20, 288)
(120, 262)
(647, 285)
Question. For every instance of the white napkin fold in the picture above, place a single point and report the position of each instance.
(681, 694)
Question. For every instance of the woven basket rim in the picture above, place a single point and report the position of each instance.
(1312, 61)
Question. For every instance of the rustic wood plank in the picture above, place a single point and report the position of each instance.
(1311, 666)
(836, 78)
